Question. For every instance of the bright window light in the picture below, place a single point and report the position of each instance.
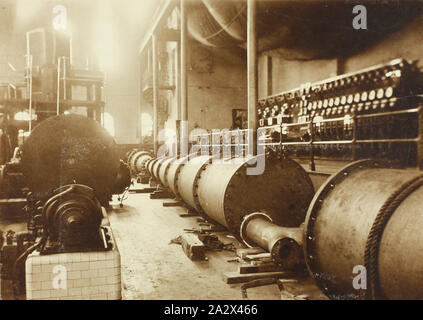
(109, 123)
(24, 116)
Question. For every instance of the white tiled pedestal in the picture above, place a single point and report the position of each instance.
(74, 276)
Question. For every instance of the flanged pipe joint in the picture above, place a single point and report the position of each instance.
(226, 193)
(284, 244)
(137, 161)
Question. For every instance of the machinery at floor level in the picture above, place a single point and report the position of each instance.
(68, 178)
(69, 221)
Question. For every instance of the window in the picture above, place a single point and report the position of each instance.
(24, 116)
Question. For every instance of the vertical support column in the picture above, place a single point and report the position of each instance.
(59, 64)
(98, 99)
(354, 137)
(184, 80)
(269, 66)
(178, 97)
(178, 79)
(140, 87)
(90, 108)
(30, 91)
(252, 74)
(420, 138)
(155, 93)
(312, 163)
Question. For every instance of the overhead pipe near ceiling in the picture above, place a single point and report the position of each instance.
(298, 30)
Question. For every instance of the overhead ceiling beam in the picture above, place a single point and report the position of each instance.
(252, 71)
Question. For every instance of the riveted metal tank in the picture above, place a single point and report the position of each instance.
(162, 174)
(188, 180)
(371, 216)
(173, 174)
(226, 193)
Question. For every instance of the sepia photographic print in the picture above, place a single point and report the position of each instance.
(211, 154)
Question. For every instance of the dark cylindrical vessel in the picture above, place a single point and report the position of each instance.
(344, 231)
(69, 149)
(123, 178)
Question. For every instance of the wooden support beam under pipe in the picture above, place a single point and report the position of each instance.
(155, 92)
(252, 73)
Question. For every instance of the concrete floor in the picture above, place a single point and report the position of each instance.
(154, 269)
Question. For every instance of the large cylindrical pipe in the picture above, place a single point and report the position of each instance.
(156, 168)
(371, 216)
(188, 180)
(162, 173)
(173, 174)
(226, 193)
(284, 244)
(138, 160)
(129, 154)
(153, 167)
(150, 165)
